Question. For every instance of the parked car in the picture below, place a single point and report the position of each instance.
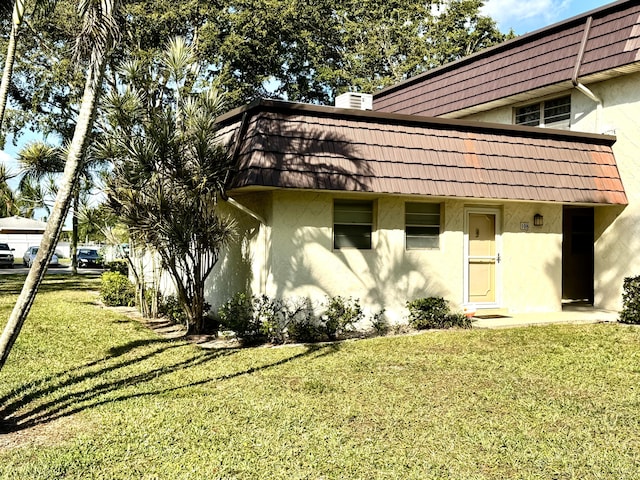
(6, 255)
(88, 257)
(30, 255)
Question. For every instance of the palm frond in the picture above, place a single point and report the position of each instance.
(100, 30)
(37, 159)
(179, 59)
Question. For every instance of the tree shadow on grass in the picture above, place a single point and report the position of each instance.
(27, 393)
(24, 407)
(12, 284)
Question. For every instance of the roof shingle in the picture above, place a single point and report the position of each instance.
(295, 146)
(531, 62)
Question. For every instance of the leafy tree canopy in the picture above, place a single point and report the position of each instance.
(300, 50)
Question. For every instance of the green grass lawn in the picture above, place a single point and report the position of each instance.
(93, 394)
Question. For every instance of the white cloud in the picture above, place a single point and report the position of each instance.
(525, 16)
(7, 160)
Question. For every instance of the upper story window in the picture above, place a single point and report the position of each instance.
(352, 224)
(554, 113)
(422, 225)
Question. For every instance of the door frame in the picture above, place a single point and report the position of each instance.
(497, 212)
(578, 268)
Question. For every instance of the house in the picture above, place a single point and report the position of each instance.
(582, 74)
(21, 233)
(507, 179)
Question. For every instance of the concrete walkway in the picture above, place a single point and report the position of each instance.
(569, 314)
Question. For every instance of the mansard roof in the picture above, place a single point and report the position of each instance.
(281, 145)
(590, 47)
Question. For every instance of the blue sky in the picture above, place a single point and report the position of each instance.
(529, 15)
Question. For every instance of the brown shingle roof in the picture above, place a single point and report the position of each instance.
(541, 60)
(286, 145)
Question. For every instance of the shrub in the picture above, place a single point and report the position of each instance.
(379, 323)
(456, 319)
(117, 290)
(302, 326)
(434, 312)
(304, 330)
(261, 318)
(171, 308)
(119, 265)
(630, 300)
(273, 318)
(427, 312)
(340, 315)
(239, 315)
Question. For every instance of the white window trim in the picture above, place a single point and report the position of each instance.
(541, 108)
(439, 237)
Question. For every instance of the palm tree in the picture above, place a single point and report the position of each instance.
(38, 162)
(169, 167)
(8, 201)
(32, 196)
(17, 17)
(99, 34)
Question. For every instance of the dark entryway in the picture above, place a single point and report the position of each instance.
(577, 254)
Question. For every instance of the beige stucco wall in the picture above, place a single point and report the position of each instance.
(532, 259)
(617, 229)
(241, 265)
(305, 264)
(296, 258)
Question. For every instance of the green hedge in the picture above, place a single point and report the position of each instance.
(256, 319)
(630, 300)
(434, 312)
(117, 290)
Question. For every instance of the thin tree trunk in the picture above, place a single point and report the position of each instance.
(59, 212)
(8, 65)
(74, 231)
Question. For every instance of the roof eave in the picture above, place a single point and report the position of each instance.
(250, 189)
(397, 118)
(528, 37)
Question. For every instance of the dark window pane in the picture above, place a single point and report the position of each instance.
(422, 225)
(557, 112)
(422, 219)
(352, 217)
(352, 236)
(353, 224)
(529, 115)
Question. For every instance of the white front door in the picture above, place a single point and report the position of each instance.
(482, 257)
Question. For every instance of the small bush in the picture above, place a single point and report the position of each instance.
(239, 315)
(171, 308)
(379, 323)
(120, 265)
(303, 326)
(340, 315)
(456, 319)
(427, 312)
(630, 300)
(273, 318)
(117, 290)
(434, 312)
